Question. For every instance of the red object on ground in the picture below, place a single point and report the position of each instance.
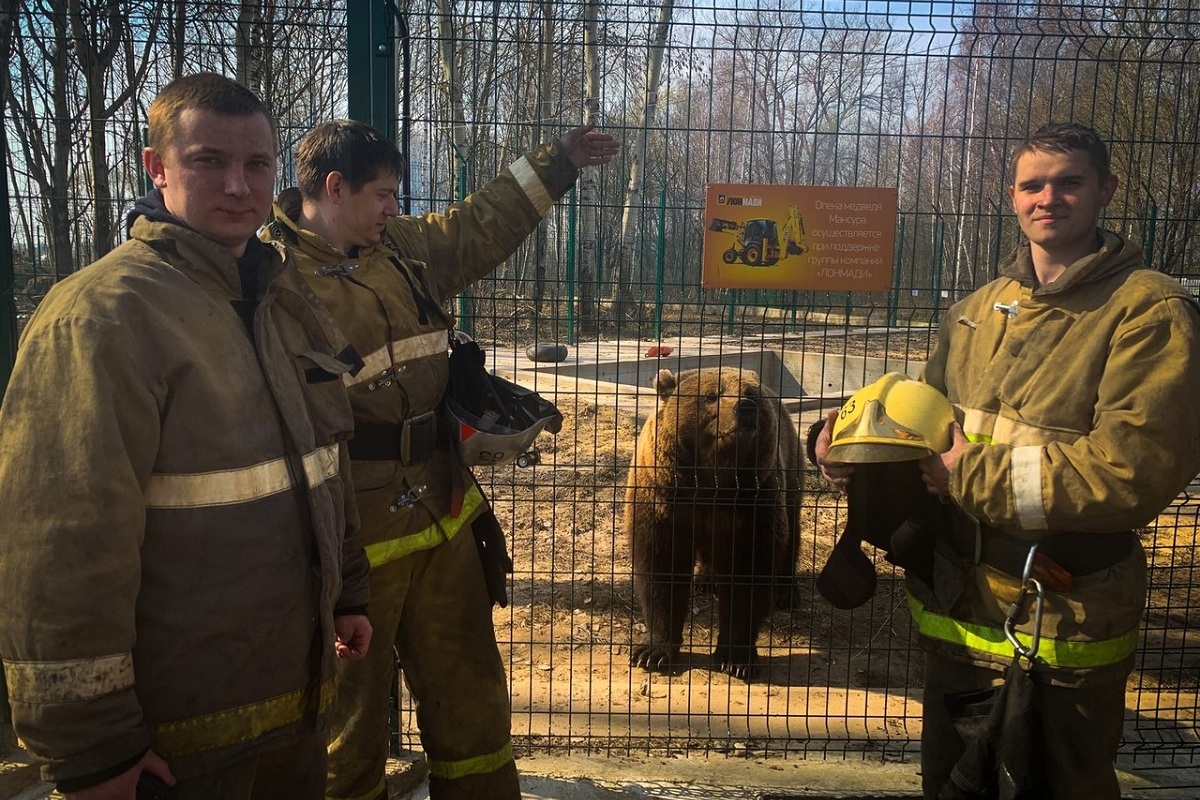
(658, 350)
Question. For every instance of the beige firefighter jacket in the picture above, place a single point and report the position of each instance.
(389, 299)
(177, 532)
(1078, 399)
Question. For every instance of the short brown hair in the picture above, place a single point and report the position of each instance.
(1064, 137)
(356, 150)
(206, 90)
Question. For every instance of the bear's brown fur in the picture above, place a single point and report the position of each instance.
(715, 482)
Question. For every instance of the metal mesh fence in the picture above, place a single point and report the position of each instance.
(926, 98)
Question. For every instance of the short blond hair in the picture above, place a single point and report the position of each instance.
(1065, 137)
(206, 90)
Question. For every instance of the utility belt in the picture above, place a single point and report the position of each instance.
(410, 442)
(1077, 554)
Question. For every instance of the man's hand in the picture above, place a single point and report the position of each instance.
(587, 147)
(353, 636)
(124, 786)
(935, 469)
(835, 472)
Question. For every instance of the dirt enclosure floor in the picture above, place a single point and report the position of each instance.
(572, 620)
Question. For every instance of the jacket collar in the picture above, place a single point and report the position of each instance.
(1116, 254)
(284, 228)
(209, 264)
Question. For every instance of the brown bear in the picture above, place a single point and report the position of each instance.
(715, 483)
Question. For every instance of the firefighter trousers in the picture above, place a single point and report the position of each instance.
(1081, 729)
(433, 606)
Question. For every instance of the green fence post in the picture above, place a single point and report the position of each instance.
(371, 65)
(1148, 235)
(8, 304)
(997, 238)
(572, 210)
(894, 298)
(939, 233)
(8, 355)
(146, 183)
(658, 267)
(464, 297)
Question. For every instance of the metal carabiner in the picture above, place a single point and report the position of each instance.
(408, 499)
(1029, 585)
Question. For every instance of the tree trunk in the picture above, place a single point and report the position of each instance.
(98, 39)
(446, 50)
(62, 252)
(249, 46)
(630, 253)
(544, 114)
(589, 195)
(176, 41)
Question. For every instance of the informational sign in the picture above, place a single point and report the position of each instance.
(837, 238)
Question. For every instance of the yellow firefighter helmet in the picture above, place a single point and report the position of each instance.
(895, 418)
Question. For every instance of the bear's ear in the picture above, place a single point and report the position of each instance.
(665, 383)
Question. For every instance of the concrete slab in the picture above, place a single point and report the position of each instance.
(599, 777)
(717, 778)
(687, 778)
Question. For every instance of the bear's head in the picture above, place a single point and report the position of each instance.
(720, 421)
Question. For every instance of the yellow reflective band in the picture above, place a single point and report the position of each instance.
(68, 681)
(532, 185)
(400, 352)
(1051, 652)
(991, 428)
(236, 725)
(479, 765)
(444, 530)
(232, 486)
(371, 795)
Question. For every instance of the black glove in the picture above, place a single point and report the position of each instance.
(493, 555)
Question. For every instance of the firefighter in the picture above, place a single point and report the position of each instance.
(386, 279)
(178, 566)
(1073, 377)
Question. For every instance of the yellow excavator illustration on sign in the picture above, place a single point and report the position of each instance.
(757, 242)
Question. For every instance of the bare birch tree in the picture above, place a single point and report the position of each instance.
(113, 68)
(251, 54)
(630, 253)
(588, 191)
(449, 63)
(43, 83)
(545, 112)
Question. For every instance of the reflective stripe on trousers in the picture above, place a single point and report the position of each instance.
(1052, 652)
(236, 725)
(377, 792)
(479, 765)
(443, 530)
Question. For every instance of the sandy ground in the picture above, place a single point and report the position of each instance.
(573, 618)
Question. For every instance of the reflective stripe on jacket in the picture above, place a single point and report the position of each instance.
(1076, 399)
(389, 300)
(177, 531)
